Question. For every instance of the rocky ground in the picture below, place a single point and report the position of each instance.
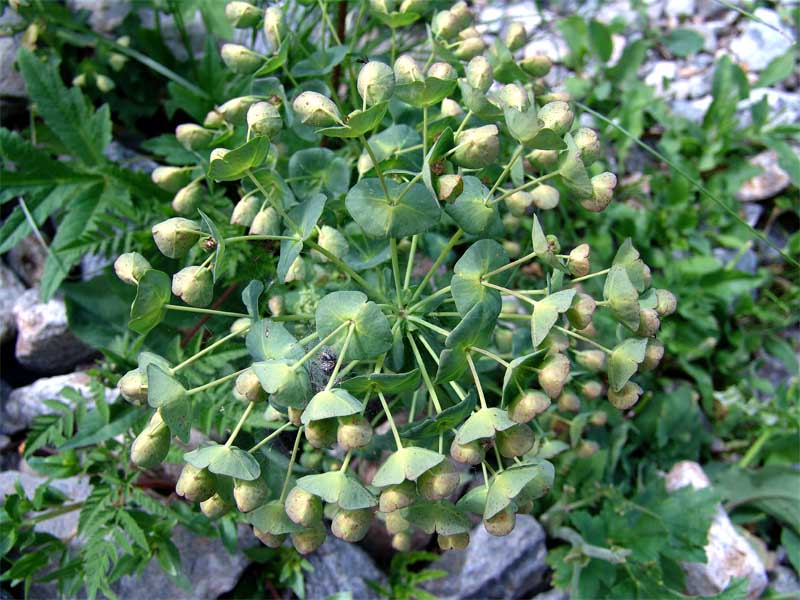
(41, 357)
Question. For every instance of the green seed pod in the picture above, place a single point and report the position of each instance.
(150, 447)
(268, 539)
(171, 179)
(133, 387)
(626, 397)
(587, 448)
(553, 244)
(196, 485)
(526, 407)
(477, 147)
(274, 26)
(649, 323)
(514, 96)
(515, 36)
(249, 495)
(316, 110)
(470, 48)
(472, 453)
(449, 187)
(297, 270)
(666, 303)
(242, 15)
(578, 263)
(592, 390)
(414, 6)
(395, 497)
(518, 202)
(249, 387)
(245, 211)
(303, 508)
(396, 522)
(188, 199)
(332, 240)
(512, 248)
(598, 418)
(79, 80)
(469, 32)
(581, 310)
(554, 374)
(443, 71)
(602, 192)
(354, 432)
(375, 82)
(569, 402)
(322, 433)
(524, 506)
(266, 222)
(514, 441)
(592, 360)
(588, 144)
(130, 267)
(308, 540)
(504, 340)
(401, 541)
(445, 25)
(456, 541)
(104, 83)
(213, 119)
(439, 482)
(536, 65)
(653, 354)
(480, 74)
(556, 116)
(545, 197)
(351, 525)
(194, 285)
(234, 111)
(117, 61)
(176, 236)
(383, 6)
(295, 415)
(406, 69)
(241, 325)
(214, 507)
(558, 96)
(542, 159)
(240, 59)
(451, 108)
(193, 137)
(502, 523)
(264, 119)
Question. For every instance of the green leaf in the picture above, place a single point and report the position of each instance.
(440, 517)
(406, 464)
(446, 420)
(387, 383)
(474, 501)
(442, 144)
(472, 210)
(622, 296)
(627, 256)
(522, 125)
(546, 311)
(66, 111)
(535, 477)
(425, 93)
(274, 62)
(330, 403)
(771, 489)
(414, 212)
(167, 394)
(682, 42)
(371, 335)
(235, 164)
(466, 287)
(600, 37)
(386, 143)
(316, 170)
(518, 372)
(624, 361)
(320, 62)
(219, 248)
(358, 122)
(250, 297)
(483, 424)
(474, 329)
(152, 294)
(573, 172)
(778, 69)
(338, 487)
(506, 69)
(290, 250)
(229, 461)
(270, 340)
(288, 387)
(306, 215)
(396, 19)
(272, 518)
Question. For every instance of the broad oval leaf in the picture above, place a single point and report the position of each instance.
(358, 122)
(622, 297)
(229, 461)
(235, 164)
(288, 387)
(316, 170)
(546, 311)
(401, 215)
(466, 285)
(272, 518)
(408, 463)
(270, 340)
(169, 396)
(473, 211)
(440, 517)
(338, 487)
(152, 295)
(387, 383)
(508, 484)
(372, 335)
(483, 424)
(330, 403)
(624, 361)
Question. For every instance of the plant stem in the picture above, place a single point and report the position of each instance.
(499, 458)
(504, 290)
(463, 123)
(319, 345)
(477, 379)
(589, 276)
(456, 388)
(506, 170)
(752, 453)
(205, 311)
(291, 465)
(208, 349)
(424, 133)
(522, 187)
(340, 358)
(430, 326)
(510, 265)
(583, 338)
(347, 269)
(390, 419)
(396, 271)
(56, 512)
(425, 377)
(436, 294)
(376, 167)
(491, 355)
(216, 382)
(239, 425)
(485, 475)
(271, 436)
(410, 266)
(256, 238)
(442, 255)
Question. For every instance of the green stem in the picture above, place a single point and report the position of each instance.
(522, 187)
(583, 338)
(390, 419)
(256, 238)
(425, 377)
(589, 276)
(431, 326)
(752, 453)
(499, 458)
(436, 294)
(410, 266)
(491, 355)
(278, 208)
(285, 487)
(208, 349)
(477, 379)
(510, 265)
(205, 311)
(504, 290)
(377, 168)
(340, 358)
(56, 512)
(319, 345)
(396, 271)
(506, 170)
(442, 255)
(463, 123)
(485, 475)
(424, 133)
(239, 425)
(271, 436)
(214, 383)
(456, 388)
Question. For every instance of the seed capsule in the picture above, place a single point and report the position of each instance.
(171, 179)
(264, 119)
(626, 397)
(445, 25)
(514, 96)
(332, 240)
(666, 303)
(396, 523)
(316, 110)
(470, 48)
(133, 387)
(518, 202)
(443, 71)
(588, 144)
(193, 137)
(130, 267)
(515, 36)
(598, 418)
(268, 539)
(592, 390)
(351, 525)
(249, 495)
(194, 285)
(593, 360)
(150, 447)
(602, 192)
(545, 197)
(537, 65)
(439, 482)
(295, 415)
(245, 211)
(188, 199)
(451, 108)
(526, 407)
(401, 541)
(587, 448)
(249, 387)
(241, 59)
(649, 322)
(354, 432)
(308, 540)
(554, 374)
(456, 541)
(213, 119)
(176, 236)
(556, 116)
(542, 159)
(480, 74)
(395, 497)
(462, 12)
(502, 523)
(214, 507)
(235, 110)
(104, 83)
(653, 354)
(514, 441)
(449, 187)
(581, 310)
(242, 15)
(241, 325)
(266, 222)
(477, 147)
(578, 263)
(303, 508)
(472, 453)
(196, 485)
(569, 402)
(406, 69)
(274, 26)
(375, 82)
(322, 433)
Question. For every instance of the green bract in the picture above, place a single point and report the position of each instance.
(400, 260)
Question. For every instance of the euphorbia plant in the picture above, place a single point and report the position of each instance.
(418, 314)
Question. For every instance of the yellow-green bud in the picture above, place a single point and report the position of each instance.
(213, 119)
(188, 199)
(351, 525)
(321, 433)
(274, 26)
(383, 6)
(514, 441)
(515, 36)
(150, 447)
(214, 507)
(171, 179)
(557, 96)
(602, 192)
(537, 65)
(196, 485)
(354, 432)
(104, 83)
(194, 285)
(235, 110)
(545, 197)
(303, 508)
(477, 147)
(666, 303)
(480, 74)
(598, 418)
(241, 59)
(242, 15)
(395, 497)
(569, 402)
(249, 387)
(514, 96)
(297, 270)
(542, 159)
(649, 322)
(592, 390)
(653, 354)
(587, 448)
(401, 541)
(295, 414)
(375, 82)
(79, 80)
(193, 137)
(554, 374)
(396, 523)
(472, 453)
(502, 523)
(526, 407)
(578, 263)
(512, 248)
(264, 119)
(133, 387)
(266, 222)
(249, 495)
(308, 540)
(588, 144)
(406, 69)
(413, 6)
(592, 360)
(117, 61)
(469, 32)
(456, 541)
(245, 211)
(316, 110)
(130, 267)
(445, 25)
(626, 397)
(504, 339)
(439, 482)
(449, 187)
(176, 236)
(470, 48)
(332, 240)
(268, 539)
(451, 108)
(581, 310)
(556, 116)
(443, 71)
(241, 325)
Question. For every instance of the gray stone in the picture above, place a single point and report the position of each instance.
(10, 290)
(554, 594)
(784, 107)
(341, 567)
(659, 72)
(770, 182)
(128, 158)
(11, 82)
(759, 44)
(494, 567)
(728, 554)
(27, 260)
(106, 15)
(694, 110)
(25, 403)
(785, 581)
(44, 341)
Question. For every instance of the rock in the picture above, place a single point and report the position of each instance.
(554, 594)
(771, 182)
(694, 110)
(494, 567)
(128, 158)
(341, 567)
(75, 488)
(728, 553)
(759, 44)
(680, 8)
(11, 82)
(25, 403)
(659, 72)
(784, 107)
(205, 562)
(27, 260)
(10, 290)
(784, 581)
(105, 15)
(44, 341)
